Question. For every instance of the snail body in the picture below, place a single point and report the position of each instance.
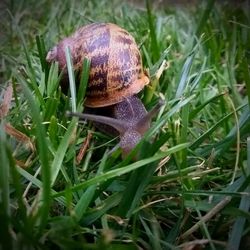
(116, 76)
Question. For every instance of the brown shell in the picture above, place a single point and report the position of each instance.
(116, 70)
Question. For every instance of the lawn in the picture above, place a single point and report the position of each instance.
(65, 185)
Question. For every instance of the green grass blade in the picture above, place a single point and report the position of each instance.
(184, 134)
(184, 77)
(42, 55)
(53, 79)
(83, 83)
(238, 227)
(72, 84)
(88, 195)
(154, 42)
(204, 17)
(6, 242)
(51, 107)
(43, 156)
(60, 153)
(198, 76)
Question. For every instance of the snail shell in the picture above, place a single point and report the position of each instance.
(116, 70)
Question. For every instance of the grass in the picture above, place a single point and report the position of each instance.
(189, 186)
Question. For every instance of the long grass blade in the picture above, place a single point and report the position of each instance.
(4, 194)
(71, 74)
(238, 227)
(43, 153)
(83, 83)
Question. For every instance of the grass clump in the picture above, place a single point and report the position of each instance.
(190, 186)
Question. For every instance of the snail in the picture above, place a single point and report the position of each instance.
(116, 76)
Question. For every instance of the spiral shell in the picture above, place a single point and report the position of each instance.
(116, 70)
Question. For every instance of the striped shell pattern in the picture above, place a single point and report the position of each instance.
(116, 70)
